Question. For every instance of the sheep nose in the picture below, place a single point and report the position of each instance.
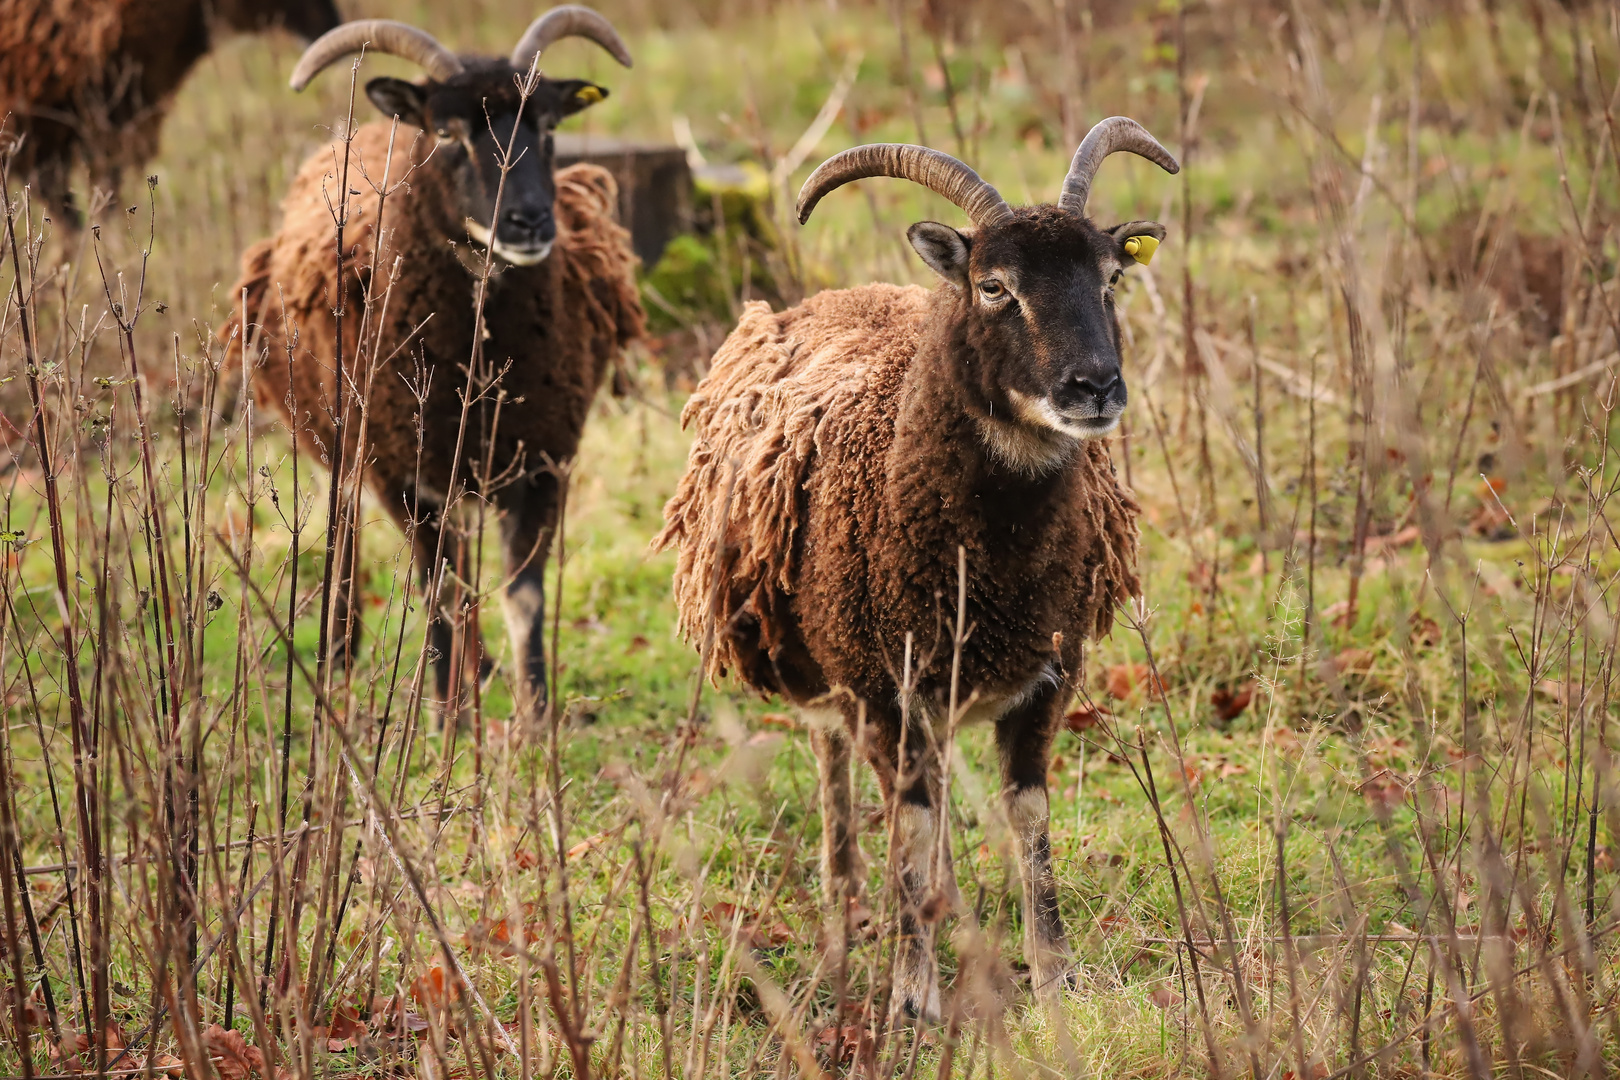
(1098, 388)
(531, 220)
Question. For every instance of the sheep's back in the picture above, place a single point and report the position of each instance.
(789, 396)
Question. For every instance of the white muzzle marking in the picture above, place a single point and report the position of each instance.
(528, 257)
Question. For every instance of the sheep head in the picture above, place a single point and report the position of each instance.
(478, 111)
(1031, 290)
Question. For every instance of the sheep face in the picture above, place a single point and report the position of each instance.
(478, 116)
(1035, 304)
(308, 19)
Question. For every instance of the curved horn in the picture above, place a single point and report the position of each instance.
(1109, 136)
(935, 171)
(376, 35)
(570, 20)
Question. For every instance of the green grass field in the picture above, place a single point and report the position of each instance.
(1337, 799)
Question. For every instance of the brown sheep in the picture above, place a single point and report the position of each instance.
(562, 303)
(872, 434)
(89, 81)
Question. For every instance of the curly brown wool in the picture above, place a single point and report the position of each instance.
(555, 327)
(860, 458)
(90, 81)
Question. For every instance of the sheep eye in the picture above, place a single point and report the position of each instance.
(443, 133)
(1114, 279)
(991, 289)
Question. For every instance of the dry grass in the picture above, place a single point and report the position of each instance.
(1344, 802)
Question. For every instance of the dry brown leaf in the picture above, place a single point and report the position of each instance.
(756, 931)
(590, 843)
(1165, 998)
(1122, 679)
(1230, 704)
(1354, 661)
(1085, 718)
(1284, 739)
(234, 1058)
(433, 990)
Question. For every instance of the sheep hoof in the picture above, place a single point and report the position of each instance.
(925, 1010)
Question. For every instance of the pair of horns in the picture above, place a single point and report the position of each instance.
(423, 49)
(983, 204)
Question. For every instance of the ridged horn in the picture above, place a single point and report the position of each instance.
(1109, 136)
(935, 171)
(376, 35)
(570, 20)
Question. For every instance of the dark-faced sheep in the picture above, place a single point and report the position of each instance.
(561, 303)
(89, 81)
(869, 435)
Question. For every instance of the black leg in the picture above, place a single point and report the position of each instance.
(526, 531)
(912, 790)
(428, 528)
(1024, 741)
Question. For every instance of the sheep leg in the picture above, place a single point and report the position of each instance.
(840, 854)
(428, 519)
(531, 515)
(913, 795)
(1024, 741)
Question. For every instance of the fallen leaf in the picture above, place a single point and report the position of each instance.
(1085, 718)
(1353, 661)
(1165, 998)
(1425, 631)
(1112, 924)
(233, 1058)
(1122, 679)
(345, 1030)
(638, 643)
(1284, 739)
(1232, 768)
(1230, 704)
(755, 930)
(590, 843)
(1384, 788)
(432, 990)
(526, 858)
(1409, 535)
(845, 1040)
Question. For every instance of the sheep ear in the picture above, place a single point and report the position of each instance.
(943, 248)
(396, 97)
(1137, 240)
(577, 94)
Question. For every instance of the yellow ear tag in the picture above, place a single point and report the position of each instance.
(1141, 248)
(588, 95)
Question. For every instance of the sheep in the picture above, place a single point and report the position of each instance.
(846, 450)
(561, 305)
(90, 81)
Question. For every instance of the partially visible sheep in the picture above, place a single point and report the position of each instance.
(562, 302)
(872, 434)
(89, 81)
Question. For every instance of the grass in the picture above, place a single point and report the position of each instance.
(1375, 477)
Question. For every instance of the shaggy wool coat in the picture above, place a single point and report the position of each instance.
(555, 327)
(857, 474)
